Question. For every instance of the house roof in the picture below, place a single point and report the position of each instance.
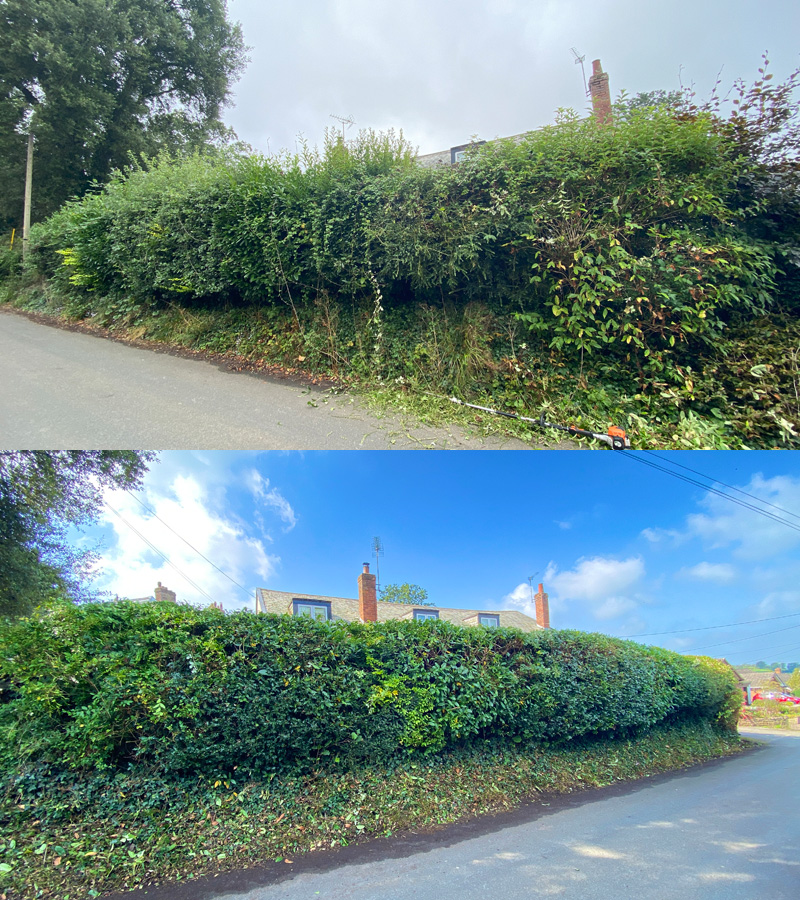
(346, 609)
(764, 681)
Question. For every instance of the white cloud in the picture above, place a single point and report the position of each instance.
(777, 603)
(721, 573)
(521, 598)
(131, 568)
(615, 607)
(659, 535)
(682, 644)
(597, 579)
(752, 536)
(565, 526)
(605, 586)
(271, 497)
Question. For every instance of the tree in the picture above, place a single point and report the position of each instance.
(42, 494)
(101, 80)
(405, 593)
(646, 99)
(794, 681)
(761, 664)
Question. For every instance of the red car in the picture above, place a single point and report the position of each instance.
(795, 700)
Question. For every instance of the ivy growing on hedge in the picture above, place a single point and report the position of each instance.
(145, 687)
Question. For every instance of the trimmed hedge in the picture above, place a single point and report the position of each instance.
(145, 686)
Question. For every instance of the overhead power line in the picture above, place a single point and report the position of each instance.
(724, 484)
(710, 627)
(762, 512)
(759, 510)
(191, 546)
(752, 637)
(157, 551)
(772, 651)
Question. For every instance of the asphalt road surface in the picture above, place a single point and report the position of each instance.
(69, 390)
(728, 830)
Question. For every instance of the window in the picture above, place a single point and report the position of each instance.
(315, 609)
(489, 621)
(459, 154)
(422, 615)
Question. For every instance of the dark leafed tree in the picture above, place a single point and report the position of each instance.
(42, 494)
(97, 81)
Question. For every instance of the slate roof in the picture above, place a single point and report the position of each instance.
(346, 609)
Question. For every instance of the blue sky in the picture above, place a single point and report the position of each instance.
(620, 548)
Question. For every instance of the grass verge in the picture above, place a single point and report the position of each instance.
(744, 392)
(66, 836)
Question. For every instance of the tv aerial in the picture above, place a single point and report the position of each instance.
(377, 549)
(530, 582)
(347, 121)
(579, 60)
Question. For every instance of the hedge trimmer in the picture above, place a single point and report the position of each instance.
(615, 437)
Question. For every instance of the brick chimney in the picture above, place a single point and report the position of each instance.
(601, 95)
(367, 596)
(164, 594)
(542, 608)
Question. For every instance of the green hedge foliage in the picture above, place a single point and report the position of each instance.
(635, 236)
(149, 687)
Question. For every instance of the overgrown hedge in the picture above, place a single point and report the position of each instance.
(160, 687)
(634, 236)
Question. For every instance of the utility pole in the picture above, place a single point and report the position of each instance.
(26, 214)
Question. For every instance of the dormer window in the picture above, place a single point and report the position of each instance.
(314, 609)
(459, 154)
(489, 621)
(424, 615)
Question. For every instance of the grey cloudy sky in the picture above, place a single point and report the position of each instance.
(444, 71)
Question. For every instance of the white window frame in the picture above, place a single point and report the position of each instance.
(318, 610)
(425, 615)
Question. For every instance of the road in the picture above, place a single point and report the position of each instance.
(66, 389)
(728, 830)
